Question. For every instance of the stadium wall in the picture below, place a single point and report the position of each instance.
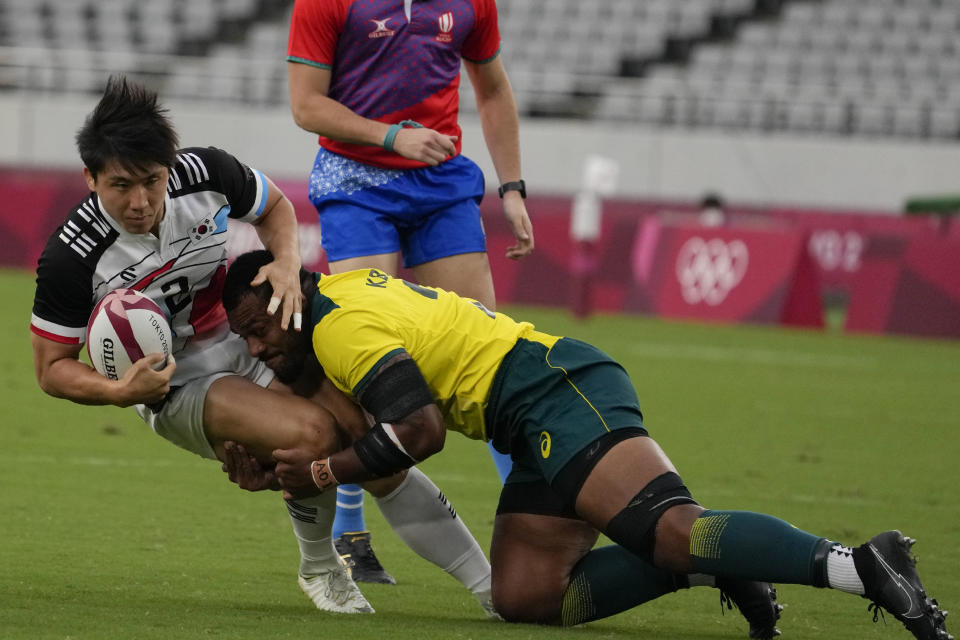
(748, 169)
(829, 205)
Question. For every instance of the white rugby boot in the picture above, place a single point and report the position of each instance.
(335, 591)
(485, 598)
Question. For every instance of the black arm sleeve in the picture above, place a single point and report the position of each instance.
(397, 391)
(380, 454)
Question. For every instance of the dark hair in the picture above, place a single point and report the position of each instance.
(244, 269)
(711, 199)
(241, 272)
(128, 127)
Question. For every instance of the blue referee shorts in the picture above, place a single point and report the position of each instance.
(425, 214)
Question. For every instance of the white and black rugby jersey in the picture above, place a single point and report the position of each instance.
(182, 270)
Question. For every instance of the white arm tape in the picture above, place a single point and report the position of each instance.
(388, 429)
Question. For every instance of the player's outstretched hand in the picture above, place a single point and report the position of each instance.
(284, 278)
(424, 145)
(245, 470)
(144, 384)
(294, 473)
(515, 211)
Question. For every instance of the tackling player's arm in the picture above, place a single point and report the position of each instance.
(408, 429)
(277, 229)
(61, 374)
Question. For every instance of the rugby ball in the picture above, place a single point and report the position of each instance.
(125, 326)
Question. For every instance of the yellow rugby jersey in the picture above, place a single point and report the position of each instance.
(363, 318)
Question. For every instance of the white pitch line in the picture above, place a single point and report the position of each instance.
(715, 493)
(710, 353)
(91, 461)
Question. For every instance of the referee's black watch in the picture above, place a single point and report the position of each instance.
(519, 185)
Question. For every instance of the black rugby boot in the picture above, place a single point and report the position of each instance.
(890, 580)
(355, 551)
(757, 602)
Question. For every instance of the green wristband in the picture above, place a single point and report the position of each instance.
(395, 129)
(391, 135)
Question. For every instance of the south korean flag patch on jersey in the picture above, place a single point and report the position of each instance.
(206, 228)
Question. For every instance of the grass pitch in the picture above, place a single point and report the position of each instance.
(107, 531)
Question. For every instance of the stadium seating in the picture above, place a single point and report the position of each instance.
(202, 49)
(802, 67)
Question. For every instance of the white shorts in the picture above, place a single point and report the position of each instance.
(180, 419)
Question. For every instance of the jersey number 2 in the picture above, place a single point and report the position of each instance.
(178, 296)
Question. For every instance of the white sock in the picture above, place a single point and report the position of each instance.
(841, 572)
(420, 515)
(312, 520)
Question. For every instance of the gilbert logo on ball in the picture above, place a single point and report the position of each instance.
(125, 326)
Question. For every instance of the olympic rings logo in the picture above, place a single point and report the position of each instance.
(709, 269)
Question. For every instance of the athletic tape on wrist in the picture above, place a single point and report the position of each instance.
(322, 474)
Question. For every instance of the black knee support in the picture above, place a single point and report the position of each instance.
(636, 525)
